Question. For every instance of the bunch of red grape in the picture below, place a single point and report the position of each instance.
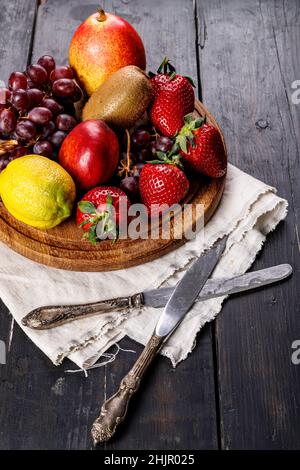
(37, 110)
(145, 143)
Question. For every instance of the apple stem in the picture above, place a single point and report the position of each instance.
(101, 15)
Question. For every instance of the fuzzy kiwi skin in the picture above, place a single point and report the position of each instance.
(122, 99)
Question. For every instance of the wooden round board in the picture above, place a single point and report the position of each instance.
(63, 247)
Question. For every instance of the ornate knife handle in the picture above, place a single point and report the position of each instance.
(44, 318)
(114, 409)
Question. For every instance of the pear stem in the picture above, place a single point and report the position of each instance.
(101, 15)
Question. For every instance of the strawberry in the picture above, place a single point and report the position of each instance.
(94, 212)
(201, 148)
(173, 98)
(162, 183)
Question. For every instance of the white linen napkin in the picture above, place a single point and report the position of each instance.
(249, 209)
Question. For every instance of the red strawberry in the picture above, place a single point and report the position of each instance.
(202, 149)
(95, 209)
(162, 183)
(173, 98)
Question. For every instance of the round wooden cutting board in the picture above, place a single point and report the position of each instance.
(62, 247)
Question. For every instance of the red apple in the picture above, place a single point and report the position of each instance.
(101, 45)
(90, 153)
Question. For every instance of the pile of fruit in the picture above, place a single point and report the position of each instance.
(37, 110)
(137, 138)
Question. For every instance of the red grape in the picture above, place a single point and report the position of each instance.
(48, 130)
(64, 71)
(19, 152)
(35, 97)
(5, 95)
(3, 163)
(140, 138)
(31, 84)
(68, 107)
(8, 121)
(20, 100)
(164, 144)
(47, 62)
(137, 168)
(37, 74)
(40, 115)
(64, 87)
(57, 138)
(44, 148)
(51, 104)
(17, 81)
(152, 148)
(143, 155)
(77, 94)
(26, 130)
(65, 123)
(130, 186)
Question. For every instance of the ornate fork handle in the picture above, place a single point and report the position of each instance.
(49, 317)
(114, 409)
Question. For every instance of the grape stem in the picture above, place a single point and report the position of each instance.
(126, 167)
(7, 146)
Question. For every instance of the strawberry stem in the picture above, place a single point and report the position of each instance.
(166, 67)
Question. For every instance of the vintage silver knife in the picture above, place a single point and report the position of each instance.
(50, 317)
(114, 409)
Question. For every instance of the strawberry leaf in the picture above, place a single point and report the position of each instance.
(198, 123)
(151, 74)
(190, 80)
(92, 236)
(161, 155)
(188, 118)
(85, 222)
(87, 207)
(109, 199)
(181, 140)
(166, 67)
(161, 68)
(155, 162)
(191, 141)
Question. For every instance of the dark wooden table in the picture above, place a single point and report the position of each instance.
(239, 388)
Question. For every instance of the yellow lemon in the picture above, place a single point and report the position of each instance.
(37, 191)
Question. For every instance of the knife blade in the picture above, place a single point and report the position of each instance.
(53, 316)
(114, 409)
(222, 286)
(187, 290)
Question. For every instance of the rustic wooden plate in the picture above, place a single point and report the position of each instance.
(63, 247)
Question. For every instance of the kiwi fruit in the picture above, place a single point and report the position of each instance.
(122, 99)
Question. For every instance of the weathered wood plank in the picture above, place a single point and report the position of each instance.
(17, 20)
(249, 54)
(176, 410)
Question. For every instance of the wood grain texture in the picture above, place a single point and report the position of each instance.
(16, 20)
(249, 55)
(63, 246)
(44, 408)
